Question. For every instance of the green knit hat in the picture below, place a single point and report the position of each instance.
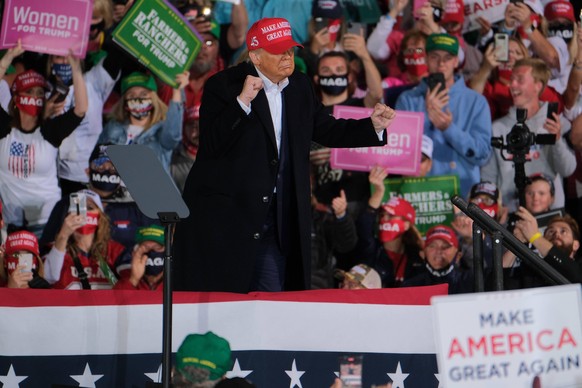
(207, 351)
(138, 79)
(443, 42)
(150, 233)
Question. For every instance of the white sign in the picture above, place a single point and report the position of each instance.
(490, 10)
(507, 338)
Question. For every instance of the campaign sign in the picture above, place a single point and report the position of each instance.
(159, 37)
(400, 155)
(507, 338)
(490, 10)
(50, 27)
(430, 197)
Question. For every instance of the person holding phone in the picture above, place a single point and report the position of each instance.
(21, 262)
(29, 144)
(83, 255)
(457, 119)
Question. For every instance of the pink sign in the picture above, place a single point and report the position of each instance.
(401, 154)
(50, 27)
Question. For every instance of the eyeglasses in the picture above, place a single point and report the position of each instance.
(488, 201)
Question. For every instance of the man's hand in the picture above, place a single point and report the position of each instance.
(340, 205)
(382, 116)
(554, 126)
(436, 101)
(250, 89)
(527, 225)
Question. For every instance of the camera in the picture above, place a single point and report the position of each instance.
(518, 143)
(520, 138)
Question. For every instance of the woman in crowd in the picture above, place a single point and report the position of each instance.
(395, 254)
(140, 117)
(21, 262)
(29, 145)
(83, 254)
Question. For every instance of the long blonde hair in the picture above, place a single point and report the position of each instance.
(100, 240)
(158, 113)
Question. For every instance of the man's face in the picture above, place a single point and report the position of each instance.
(330, 66)
(276, 67)
(440, 61)
(560, 234)
(538, 196)
(206, 58)
(440, 254)
(523, 87)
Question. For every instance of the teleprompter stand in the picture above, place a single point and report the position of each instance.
(158, 197)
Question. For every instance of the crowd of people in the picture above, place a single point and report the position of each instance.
(68, 221)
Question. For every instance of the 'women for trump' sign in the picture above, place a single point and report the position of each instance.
(50, 27)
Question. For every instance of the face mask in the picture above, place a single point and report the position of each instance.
(416, 64)
(91, 226)
(30, 105)
(155, 263)
(504, 72)
(64, 72)
(391, 230)
(490, 210)
(564, 31)
(105, 181)
(96, 29)
(334, 85)
(139, 107)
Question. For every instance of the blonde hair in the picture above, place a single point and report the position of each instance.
(158, 112)
(104, 8)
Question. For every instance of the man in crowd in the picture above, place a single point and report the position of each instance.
(457, 119)
(529, 78)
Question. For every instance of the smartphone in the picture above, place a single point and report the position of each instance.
(320, 24)
(206, 13)
(437, 14)
(501, 47)
(355, 28)
(351, 371)
(552, 108)
(25, 259)
(78, 204)
(59, 88)
(434, 79)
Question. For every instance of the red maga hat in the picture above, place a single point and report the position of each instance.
(272, 34)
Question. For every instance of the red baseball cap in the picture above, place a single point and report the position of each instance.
(272, 34)
(454, 12)
(28, 79)
(442, 232)
(400, 207)
(21, 241)
(559, 9)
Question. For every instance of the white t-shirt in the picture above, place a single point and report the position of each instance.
(28, 177)
(133, 131)
(5, 94)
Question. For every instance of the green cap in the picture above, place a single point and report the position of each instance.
(207, 351)
(443, 42)
(138, 79)
(150, 233)
(215, 29)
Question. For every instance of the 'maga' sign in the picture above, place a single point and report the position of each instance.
(507, 338)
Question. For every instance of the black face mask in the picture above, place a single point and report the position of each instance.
(105, 181)
(155, 263)
(96, 29)
(563, 30)
(334, 85)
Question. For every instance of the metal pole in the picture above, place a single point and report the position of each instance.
(478, 258)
